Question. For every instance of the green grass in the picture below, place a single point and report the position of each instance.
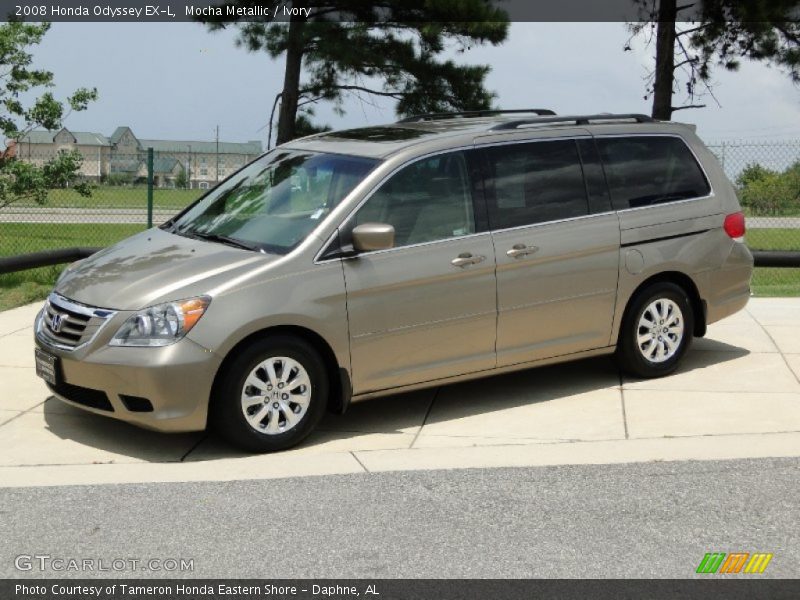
(786, 212)
(105, 196)
(20, 238)
(18, 289)
(776, 282)
(773, 239)
(24, 287)
(769, 281)
(21, 288)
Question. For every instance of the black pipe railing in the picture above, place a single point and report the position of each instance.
(774, 258)
(22, 262)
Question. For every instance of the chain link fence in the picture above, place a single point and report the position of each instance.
(767, 179)
(766, 176)
(118, 204)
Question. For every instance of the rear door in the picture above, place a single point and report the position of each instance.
(557, 245)
(426, 308)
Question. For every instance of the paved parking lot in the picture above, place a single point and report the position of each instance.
(737, 395)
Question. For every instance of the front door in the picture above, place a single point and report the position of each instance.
(426, 308)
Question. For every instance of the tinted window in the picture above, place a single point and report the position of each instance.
(596, 187)
(426, 201)
(535, 183)
(645, 170)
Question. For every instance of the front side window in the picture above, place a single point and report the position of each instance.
(426, 201)
(646, 170)
(535, 182)
(276, 201)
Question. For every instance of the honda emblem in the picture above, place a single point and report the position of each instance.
(57, 322)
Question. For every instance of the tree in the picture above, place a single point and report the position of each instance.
(752, 173)
(770, 193)
(722, 33)
(181, 179)
(303, 126)
(387, 48)
(20, 179)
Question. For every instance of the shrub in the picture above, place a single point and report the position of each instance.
(769, 193)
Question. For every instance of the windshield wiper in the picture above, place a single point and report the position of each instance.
(222, 239)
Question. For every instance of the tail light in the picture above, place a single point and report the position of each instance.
(734, 226)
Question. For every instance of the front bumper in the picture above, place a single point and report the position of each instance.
(174, 380)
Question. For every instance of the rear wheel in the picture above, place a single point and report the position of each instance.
(656, 331)
(272, 395)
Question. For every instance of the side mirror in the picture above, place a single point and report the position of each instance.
(373, 236)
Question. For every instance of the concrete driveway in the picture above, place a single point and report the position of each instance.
(737, 395)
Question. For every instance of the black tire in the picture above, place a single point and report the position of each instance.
(629, 356)
(228, 415)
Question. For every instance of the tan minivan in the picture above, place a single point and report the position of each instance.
(372, 261)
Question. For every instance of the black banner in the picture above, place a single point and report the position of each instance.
(414, 589)
(254, 10)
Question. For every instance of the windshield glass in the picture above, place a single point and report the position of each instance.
(275, 202)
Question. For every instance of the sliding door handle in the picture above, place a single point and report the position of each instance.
(466, 259)
(520, 250)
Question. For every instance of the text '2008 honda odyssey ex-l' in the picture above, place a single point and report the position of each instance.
(366, 262)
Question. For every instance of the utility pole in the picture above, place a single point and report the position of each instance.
(217, 169)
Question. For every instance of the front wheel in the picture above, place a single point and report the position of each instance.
(656, 331)
(271, 396)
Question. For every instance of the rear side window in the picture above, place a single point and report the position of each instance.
(646, 170)
(534, 183)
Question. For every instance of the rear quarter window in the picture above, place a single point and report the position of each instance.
(647, 170)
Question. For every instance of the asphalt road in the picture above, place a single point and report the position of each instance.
(635, 520)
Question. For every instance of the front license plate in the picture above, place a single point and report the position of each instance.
(47, 366)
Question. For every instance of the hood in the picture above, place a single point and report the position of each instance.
(155, 266)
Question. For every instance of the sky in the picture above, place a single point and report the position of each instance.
(179, 81)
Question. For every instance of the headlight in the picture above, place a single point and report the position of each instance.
(162, 324)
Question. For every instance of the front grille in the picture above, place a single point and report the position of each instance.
(82, 395)
(67, 324)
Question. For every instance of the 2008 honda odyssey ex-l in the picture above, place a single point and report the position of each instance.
(371, 261)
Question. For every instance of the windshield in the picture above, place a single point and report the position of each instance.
(275, 202)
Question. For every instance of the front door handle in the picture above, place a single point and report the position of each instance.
(520, 250)
(465, 259)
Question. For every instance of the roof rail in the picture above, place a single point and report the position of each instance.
(474, 113)
(578, 120)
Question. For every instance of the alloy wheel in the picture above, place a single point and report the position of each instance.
(660, 331)
(276, 395)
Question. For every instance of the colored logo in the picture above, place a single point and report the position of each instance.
(735, 562)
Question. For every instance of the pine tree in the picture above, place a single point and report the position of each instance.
(388, 48)
(725, 32)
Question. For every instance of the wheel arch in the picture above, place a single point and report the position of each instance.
(339, 378)
(687, 284)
